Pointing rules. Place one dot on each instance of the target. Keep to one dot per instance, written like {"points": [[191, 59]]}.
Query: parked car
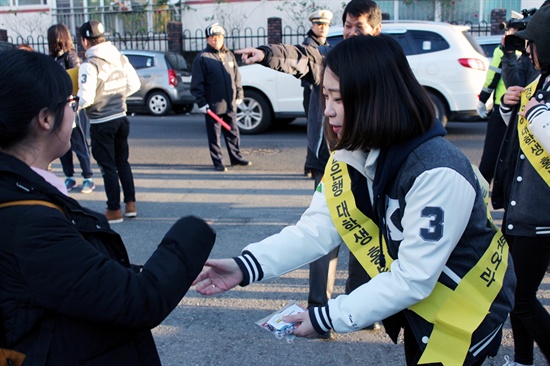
{"points": [[165, 82], [445, 59], [270, 97]]}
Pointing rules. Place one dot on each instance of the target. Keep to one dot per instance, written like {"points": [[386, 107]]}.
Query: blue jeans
{"points": [[110, 150], [79, 145]]}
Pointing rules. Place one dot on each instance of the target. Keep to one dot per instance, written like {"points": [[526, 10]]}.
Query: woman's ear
{"points": [[45, 119]]}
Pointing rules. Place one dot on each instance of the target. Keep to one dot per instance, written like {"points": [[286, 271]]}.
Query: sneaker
{"points": [[88, 186], [220, 168], [130, 210], [70, 183], [375, 326], [509, 362], [114, 216]]}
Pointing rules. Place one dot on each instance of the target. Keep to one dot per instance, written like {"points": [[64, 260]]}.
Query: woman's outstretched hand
{"points": [[304, 328], [218, 275]]}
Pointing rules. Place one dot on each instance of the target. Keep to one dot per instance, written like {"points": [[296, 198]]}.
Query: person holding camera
{"points": [[522, 188]]}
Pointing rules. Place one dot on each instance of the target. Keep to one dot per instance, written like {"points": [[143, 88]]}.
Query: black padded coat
{"points": [[70, 272]]}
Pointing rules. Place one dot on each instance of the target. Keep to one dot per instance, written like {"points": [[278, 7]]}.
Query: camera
{"points": [[519, 24], [513, 42]]}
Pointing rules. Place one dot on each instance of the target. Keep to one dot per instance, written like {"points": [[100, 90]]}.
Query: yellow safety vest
{"points": [[455, 314]]}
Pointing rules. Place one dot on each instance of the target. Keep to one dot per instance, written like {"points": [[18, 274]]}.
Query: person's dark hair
{"points": [[368, 8], [59, 40], [31, 82], [384, 105]]}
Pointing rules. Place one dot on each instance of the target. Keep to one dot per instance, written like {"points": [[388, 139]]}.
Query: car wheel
{"points": [[253, 114], [158, 103], [440, 110]]}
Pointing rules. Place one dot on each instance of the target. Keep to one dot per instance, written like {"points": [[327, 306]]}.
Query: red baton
{"points": [[219, 120]]}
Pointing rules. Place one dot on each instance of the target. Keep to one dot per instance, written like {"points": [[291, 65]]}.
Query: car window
{"points": [[405, 43], [334, 40], [489, 48], [176, 61], [474, 43], [141, 62], [426, 42]]}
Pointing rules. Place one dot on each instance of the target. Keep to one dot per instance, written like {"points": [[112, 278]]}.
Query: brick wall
{"points": [[274, 30]]}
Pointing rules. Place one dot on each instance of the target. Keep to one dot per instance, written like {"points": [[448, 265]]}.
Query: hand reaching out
{"points": [[250, 55], [218, 275]]}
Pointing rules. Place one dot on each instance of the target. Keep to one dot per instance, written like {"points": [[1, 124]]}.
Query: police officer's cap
{"points": [[321, 17], [214, 30]]}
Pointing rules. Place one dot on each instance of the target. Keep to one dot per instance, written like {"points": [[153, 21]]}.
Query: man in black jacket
{"points": [[216, 84]]}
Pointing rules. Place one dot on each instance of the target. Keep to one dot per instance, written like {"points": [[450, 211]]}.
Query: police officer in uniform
{"points": [[216, 85]]}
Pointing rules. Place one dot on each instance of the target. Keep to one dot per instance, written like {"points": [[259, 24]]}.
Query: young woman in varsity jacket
{"points": [[410, 208]]}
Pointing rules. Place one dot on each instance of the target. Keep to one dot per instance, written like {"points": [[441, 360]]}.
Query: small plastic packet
{"points": [[275, 324]]}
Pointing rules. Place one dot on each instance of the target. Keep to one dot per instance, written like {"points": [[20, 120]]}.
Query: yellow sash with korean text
{"points": [[533, 150], [455, 314]]}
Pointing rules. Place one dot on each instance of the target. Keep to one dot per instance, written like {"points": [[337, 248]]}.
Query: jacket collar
{"points": [[20, 182], [391, 160]]}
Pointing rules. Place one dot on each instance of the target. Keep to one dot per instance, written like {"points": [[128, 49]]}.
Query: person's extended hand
{"points": [[304, 328], [532, 102], [238, 101], [512, 95], [218, 275], [250, 55]]}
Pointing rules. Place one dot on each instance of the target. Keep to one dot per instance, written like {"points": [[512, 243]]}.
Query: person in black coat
{"points": [[68, 293], [216, 84]]}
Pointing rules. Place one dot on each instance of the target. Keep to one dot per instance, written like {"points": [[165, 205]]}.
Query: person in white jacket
{"points": [[105, 79], [410, 208]]}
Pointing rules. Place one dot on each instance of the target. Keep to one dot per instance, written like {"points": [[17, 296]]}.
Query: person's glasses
{"points": [[72, 100]]}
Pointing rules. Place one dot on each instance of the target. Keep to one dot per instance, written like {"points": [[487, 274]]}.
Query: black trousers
{"points": [[232, 138], [111, 152], [530, 320], [79, 145]]}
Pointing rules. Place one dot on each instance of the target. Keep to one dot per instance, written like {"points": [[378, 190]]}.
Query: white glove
{"points": [[238, 101], [481, 109], [204, 109]]}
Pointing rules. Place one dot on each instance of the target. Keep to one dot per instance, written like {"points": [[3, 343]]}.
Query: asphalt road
{"points": [[174, 177]]}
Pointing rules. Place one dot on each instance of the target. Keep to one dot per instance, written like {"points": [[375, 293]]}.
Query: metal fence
{"points": [[128, 41], [144, 26]]}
